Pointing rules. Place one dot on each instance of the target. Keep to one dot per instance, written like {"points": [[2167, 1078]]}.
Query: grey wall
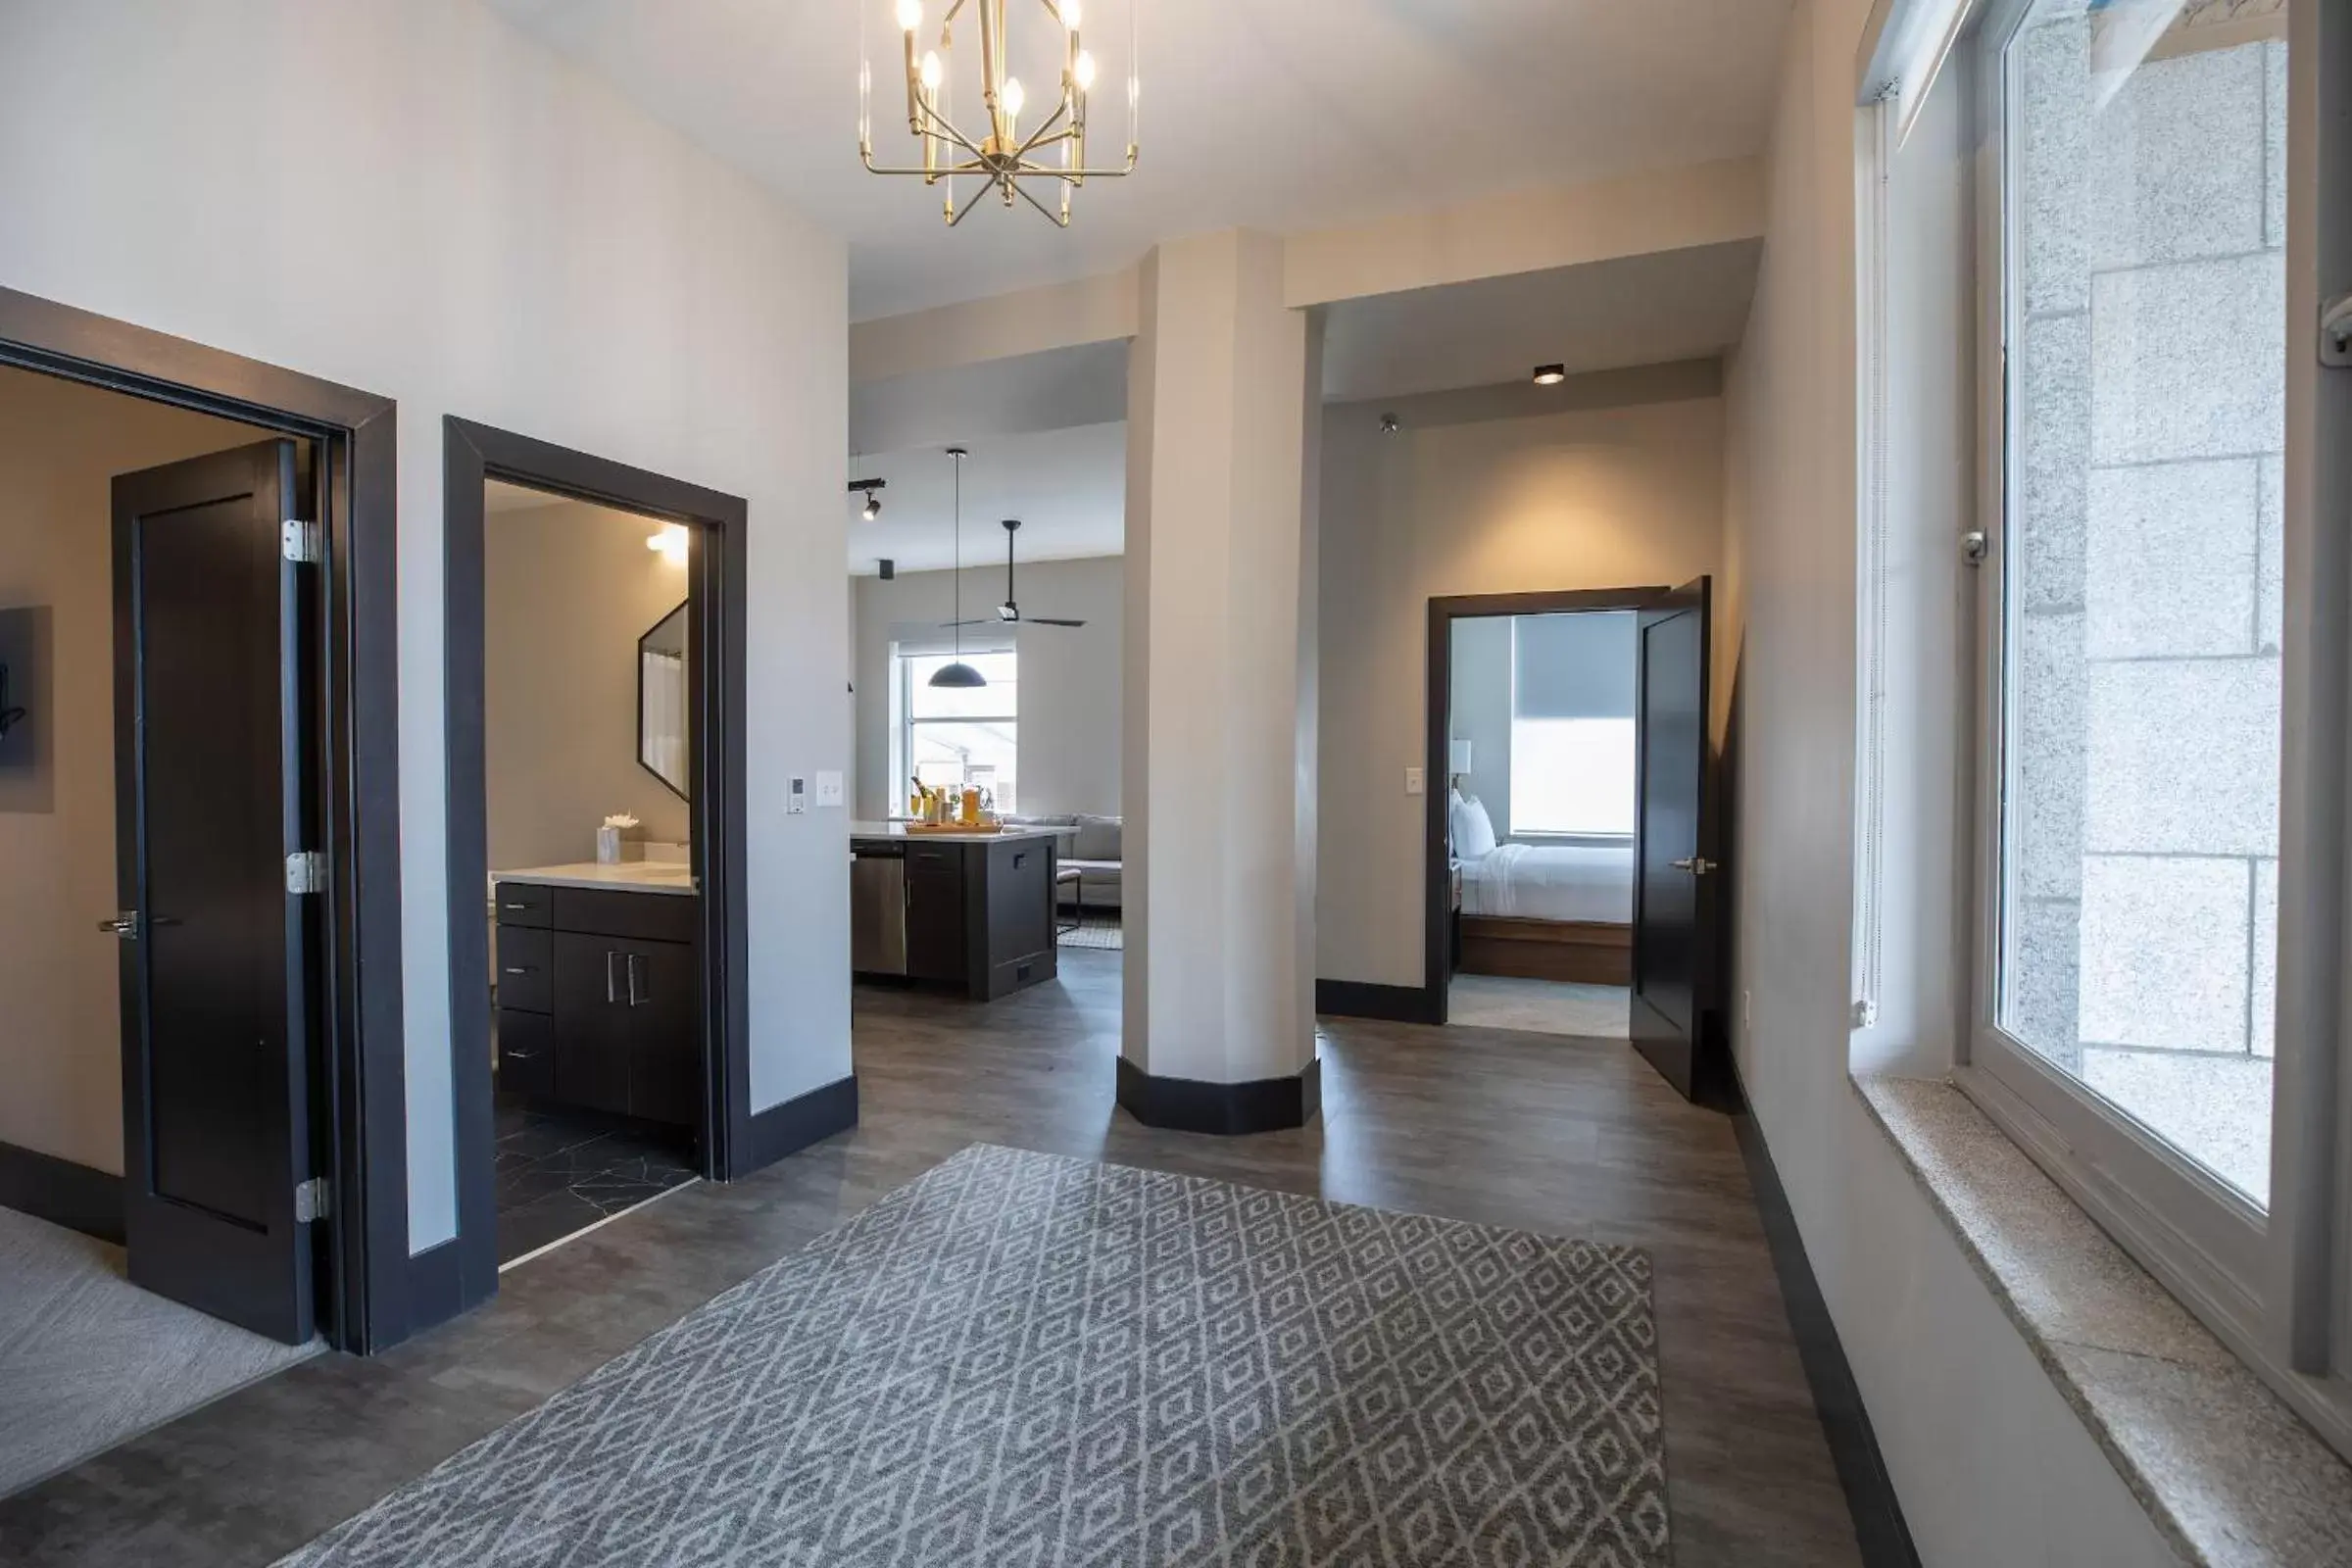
{"points": [[1481, 711], [1613, 480], [568, 590], [60, 1044], [1070, 699]]}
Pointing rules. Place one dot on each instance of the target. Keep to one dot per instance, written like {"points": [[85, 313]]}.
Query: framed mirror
{"points": [[661, 720]]}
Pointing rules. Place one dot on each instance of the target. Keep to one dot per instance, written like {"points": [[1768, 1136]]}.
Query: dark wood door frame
{"points": [[368, 1301], [1437, 967], [716, 591]]}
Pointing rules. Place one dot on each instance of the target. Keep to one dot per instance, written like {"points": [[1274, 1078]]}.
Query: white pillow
{"points": [[1473, 829]]}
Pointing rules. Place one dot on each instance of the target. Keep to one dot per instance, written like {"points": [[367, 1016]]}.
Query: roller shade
{"points": [[1578, 666]]}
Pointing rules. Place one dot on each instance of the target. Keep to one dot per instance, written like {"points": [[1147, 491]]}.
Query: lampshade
{"points": [[958, 674], [1460, 753]]}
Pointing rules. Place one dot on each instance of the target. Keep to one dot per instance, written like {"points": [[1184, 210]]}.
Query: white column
{"points": [[1219, 774]]}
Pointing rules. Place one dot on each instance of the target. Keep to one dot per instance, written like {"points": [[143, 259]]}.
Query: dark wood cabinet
{"points": [[979, 912], [935, 923], [599, 998]]}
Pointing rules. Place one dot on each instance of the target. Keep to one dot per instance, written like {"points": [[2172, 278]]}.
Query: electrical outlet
{"points": [[1412, 781], [796, 796], [828, 788]]}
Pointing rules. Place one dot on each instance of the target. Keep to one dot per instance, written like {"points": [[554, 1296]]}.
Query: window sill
{"points": [[2228, 1474]]}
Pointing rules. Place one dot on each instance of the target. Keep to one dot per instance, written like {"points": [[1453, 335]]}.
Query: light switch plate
{"points": [[796, 796], [828, 788], [1412, 781]]}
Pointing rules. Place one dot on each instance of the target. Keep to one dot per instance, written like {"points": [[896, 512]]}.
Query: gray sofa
{"points": [[1094, 848]]}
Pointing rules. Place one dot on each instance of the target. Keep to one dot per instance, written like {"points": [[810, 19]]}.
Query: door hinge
{"points": [[305, 872], [311, 1200], [298, 542], [1974, 547], [2335, 331]]}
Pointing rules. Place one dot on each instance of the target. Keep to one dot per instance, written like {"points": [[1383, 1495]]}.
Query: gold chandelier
{"points": [[1003, 155]]}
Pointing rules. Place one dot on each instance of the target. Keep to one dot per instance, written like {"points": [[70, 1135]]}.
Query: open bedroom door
{"points": [[1675, 949]]}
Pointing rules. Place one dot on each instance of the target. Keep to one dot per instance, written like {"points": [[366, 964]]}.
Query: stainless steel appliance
{"points": [[878, 909]]}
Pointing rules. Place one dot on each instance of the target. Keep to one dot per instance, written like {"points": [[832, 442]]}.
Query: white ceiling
{"points": [[1068, 487], [1274, 114], [1638, 310]]}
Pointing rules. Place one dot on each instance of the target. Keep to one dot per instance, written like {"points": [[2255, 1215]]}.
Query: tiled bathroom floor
{"points": [[563, 1171]]}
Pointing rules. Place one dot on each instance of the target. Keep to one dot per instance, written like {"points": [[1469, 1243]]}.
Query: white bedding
{"points": [[1552, 882]]}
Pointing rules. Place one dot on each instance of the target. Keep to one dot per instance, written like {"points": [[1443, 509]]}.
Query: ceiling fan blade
{"points": [[990, 621], [1049, 620]]}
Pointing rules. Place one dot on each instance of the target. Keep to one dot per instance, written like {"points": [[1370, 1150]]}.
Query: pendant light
{"points": [[958, 676]]}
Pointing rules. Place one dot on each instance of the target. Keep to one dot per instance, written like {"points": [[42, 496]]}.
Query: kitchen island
{"points": [[968, 911]]}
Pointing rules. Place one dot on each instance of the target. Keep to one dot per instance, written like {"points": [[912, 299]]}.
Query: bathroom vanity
{"points": [[971, 910], [600, 988]]}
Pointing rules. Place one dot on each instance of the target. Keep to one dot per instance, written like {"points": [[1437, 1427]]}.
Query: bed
{"points": [[1545, 911]]}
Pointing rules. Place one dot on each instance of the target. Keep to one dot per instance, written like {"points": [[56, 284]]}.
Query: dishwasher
{"points": [[878, 909]]}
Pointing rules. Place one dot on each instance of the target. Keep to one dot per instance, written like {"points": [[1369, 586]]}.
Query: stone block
{"points": [[2176, 161], [2184, 758], [2050, 127], [2270, 628], [2265, 1026], [2041, 990], [2215, 1109], [2169, 559], [2049, 729], [2189, 360], [2164, 952], [2054, 457]]}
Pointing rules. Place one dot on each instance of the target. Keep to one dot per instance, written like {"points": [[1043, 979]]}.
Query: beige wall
{"points": [[1618, 485], [568, 589], [61, 1054], [1069, 694]]}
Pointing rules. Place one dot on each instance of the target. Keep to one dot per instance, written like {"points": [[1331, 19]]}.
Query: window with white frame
{"points": [[954, 736], [2139, 790], [1571, 725]]}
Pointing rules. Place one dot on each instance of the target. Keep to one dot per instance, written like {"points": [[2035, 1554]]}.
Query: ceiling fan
{"points": [[1010, 611]]}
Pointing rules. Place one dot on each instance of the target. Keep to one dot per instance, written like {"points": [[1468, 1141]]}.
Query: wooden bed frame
{"points": [[1594, 952]]}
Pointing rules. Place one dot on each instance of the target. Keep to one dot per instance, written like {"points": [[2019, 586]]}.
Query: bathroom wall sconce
{"points": [[670, 543]]}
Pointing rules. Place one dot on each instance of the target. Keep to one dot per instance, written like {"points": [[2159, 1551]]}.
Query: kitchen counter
{"points": [[630, 876], [897, 830]]}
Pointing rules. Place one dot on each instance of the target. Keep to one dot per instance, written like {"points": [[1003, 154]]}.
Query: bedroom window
{"points": [[949, 737], [1572, 725]]}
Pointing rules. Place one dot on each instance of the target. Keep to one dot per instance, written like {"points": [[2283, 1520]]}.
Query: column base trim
{"points": [[60, 1192], [1191, 1105], [792, 1125]]}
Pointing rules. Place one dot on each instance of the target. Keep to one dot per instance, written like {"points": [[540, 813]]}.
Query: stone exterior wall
{"points": [[2144, 575]]}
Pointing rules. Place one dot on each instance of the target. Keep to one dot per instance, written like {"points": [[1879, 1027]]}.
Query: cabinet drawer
{"points": [[526, 1054], [523, 903], [644, 916], [522, 970]]}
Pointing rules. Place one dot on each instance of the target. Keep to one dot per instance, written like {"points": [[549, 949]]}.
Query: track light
{"points": [[1389, 424], [872, 490], [872, 508], [1550, 375]]}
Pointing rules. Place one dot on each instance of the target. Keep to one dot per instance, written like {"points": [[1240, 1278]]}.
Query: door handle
{"points": [[1696, 865], [124, 925], [634, 998], [518, 968], [611, 989]]}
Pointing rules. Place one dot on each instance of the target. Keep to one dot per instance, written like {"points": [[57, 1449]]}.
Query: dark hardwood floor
{"points": [[1477, 1124]]}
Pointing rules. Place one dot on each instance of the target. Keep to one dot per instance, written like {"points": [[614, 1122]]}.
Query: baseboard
{"points": [[1360, 999], [1870, 1497], [788, 1128], [62, 1193], [1189, 1106]]}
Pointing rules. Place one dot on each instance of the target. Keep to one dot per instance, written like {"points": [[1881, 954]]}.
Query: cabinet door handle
{"points": [[520, 1055], [612, 987], [634, 997], [513, 906], [518, 968]]}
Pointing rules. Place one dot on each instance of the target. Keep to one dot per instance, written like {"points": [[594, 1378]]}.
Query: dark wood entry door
{"points": [[213, 792], [1674, 881]]}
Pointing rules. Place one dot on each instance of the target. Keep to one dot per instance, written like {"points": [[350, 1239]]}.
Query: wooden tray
{"points": [[953, 827]]}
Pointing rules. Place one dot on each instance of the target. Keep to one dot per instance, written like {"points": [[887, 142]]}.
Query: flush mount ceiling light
{"points": [[1550, 375], [994, 146], [958, 673], [873, 500]]}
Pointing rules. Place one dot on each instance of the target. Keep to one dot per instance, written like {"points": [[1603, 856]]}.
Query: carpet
{"points": [[1097, 928], [1024, 1358], [88, 1360], [1538, 1006]]}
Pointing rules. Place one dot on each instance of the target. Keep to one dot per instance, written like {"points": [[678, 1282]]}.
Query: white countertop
{"points": [[630, 876], [897, 830]]}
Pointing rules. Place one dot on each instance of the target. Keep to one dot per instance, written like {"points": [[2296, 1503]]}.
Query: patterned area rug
{"points": [[1097, 928], [1022, 1359]]}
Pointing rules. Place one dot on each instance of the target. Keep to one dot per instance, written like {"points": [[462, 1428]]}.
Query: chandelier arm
{"points": [[947, 129], [1074, 175], [969, 203], [1023, 191], [1038, 137], [971, 167]]}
